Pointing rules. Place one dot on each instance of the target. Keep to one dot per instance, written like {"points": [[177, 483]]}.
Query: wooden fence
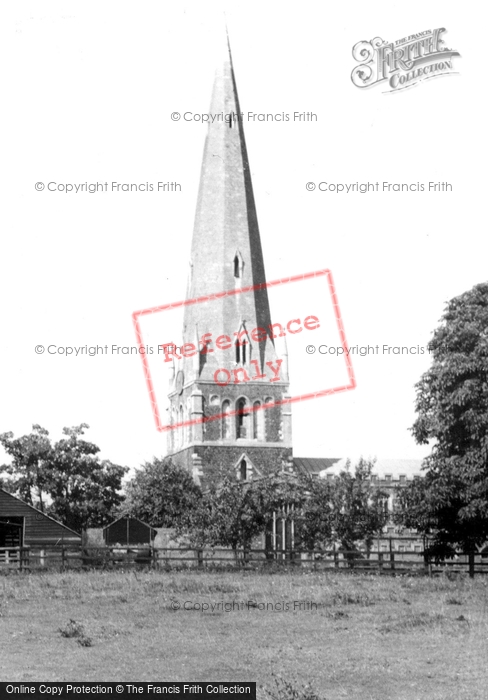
{"points": [[119, 557]]}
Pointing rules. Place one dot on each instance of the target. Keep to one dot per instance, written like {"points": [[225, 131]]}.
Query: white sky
{"points": [[88, 92]]}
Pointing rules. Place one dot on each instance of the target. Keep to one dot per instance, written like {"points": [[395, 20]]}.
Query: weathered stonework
{"points": [[227, 366]]}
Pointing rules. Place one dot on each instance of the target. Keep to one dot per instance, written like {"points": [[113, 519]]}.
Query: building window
{"points": [[237, 267], [241, 419], [241, 345], [243, 470], [255, 420], [226, 420], [187, 421], [180, 426], [214, 400]]}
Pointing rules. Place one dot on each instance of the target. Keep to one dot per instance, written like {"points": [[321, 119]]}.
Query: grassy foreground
{"points": [[349, 636]]}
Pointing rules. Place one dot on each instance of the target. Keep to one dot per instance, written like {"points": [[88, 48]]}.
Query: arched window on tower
{"points": [[268, 416], [180, 427], [242, 417], [238, 268], [188, 422], [241, 353], [243, 470], [242, 346], [226, 424], [257, 422]]}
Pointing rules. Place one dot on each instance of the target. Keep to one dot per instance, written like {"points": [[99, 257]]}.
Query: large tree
{"points": [[357, 506], [451, 502], [28, 473], [162, 494], [85, 490], [67, 479]]}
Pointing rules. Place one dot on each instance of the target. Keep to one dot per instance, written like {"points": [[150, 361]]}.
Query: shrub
{"points": [[285, 690]]}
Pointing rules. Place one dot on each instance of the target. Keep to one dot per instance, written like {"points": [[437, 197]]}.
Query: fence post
{"points": [[380, 562], [311, 556], [471, 563], [392, 556], [25, 558], [63, 558], [336, 558]]}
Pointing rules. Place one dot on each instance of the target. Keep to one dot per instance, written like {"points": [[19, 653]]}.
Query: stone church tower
{"points": [[228, 378]]}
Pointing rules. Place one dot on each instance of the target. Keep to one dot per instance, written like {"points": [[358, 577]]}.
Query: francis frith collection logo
{"points": [[402, 63]]}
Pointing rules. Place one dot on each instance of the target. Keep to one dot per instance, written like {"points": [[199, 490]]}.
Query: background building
{"points": [[128, 530], [22, 525]]}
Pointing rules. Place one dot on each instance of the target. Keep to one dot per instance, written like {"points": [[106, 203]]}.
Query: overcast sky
{"points": [[88, 95]]}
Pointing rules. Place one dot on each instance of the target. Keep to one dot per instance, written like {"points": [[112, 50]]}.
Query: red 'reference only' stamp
{"points": [[244, 367]]}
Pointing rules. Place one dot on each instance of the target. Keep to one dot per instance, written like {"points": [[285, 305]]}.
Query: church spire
{"points": [[227, 396], [226, 248]]}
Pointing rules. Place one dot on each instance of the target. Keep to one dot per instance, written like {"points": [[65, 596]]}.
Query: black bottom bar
{"points": [[217, 690]]}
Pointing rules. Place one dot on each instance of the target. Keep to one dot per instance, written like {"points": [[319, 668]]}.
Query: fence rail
{"points": [[381, 562]]}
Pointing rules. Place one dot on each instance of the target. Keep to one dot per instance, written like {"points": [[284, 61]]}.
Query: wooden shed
{"points": [[128, 530], [22, 525]]}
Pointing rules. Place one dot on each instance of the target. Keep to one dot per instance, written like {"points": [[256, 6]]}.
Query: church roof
{"points": [[314, 465]]}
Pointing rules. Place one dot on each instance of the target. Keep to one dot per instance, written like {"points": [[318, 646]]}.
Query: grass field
{"points": [[349, 636]]}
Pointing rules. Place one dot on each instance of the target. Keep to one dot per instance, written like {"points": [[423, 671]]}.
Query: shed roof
{"points": [[129, 517], [23, 505]]}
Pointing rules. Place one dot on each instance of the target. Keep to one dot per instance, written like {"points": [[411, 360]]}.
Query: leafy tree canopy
{"points": [[66, 480], [162, 494], [451, 502], [348, 509]]}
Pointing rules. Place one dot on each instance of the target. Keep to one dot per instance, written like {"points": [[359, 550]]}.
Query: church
{"points": [[228, 399], [228, 389]]}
